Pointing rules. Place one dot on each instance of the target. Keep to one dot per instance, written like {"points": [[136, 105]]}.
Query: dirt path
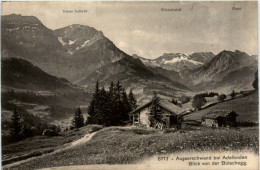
{"points": [[78, 142]]}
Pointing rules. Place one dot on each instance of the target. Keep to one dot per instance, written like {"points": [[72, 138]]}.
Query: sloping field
{"points": [[42, 144], [246, 108], [127, 145]]}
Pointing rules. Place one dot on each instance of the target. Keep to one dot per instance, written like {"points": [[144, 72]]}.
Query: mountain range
{"points": [[178, 61], [230, 70], [83, 55]]}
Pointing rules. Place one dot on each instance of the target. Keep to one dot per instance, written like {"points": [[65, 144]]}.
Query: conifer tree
{"points": [[155, 110], [16, 126], [78, 119], [91, 113], [111, 116], [118, 105], [102, 107], [118, 92], [111, 90], [126, 108], [27, 132], [233, 94], [132, 101], [93, 107]]}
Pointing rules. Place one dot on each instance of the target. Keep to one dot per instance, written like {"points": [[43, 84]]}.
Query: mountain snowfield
{"points": [[183, 57], [76, 37], [178, 61]]}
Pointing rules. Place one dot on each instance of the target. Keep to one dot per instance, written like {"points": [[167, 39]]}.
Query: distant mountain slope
{"points": [[171, 74], [201, 56], [178, 61], [19, 73], [133, 74], [227, 69]]}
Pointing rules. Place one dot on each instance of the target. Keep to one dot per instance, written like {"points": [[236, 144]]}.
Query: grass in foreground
{"points": [[123, 146], [42, 144]]}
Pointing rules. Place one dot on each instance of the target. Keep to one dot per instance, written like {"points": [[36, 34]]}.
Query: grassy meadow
{"points": [[125, 145], [39, 145], [246, 108]]}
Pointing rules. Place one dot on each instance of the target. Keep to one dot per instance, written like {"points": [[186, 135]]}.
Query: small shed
{"points": [[219, 118], [170, 113]]}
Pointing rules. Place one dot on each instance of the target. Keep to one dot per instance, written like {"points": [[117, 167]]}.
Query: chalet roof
{"points": [[214, 114], [172, 108]]}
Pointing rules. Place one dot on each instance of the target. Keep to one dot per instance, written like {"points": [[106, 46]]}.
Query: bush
{"points": [[222, 97], [210, 94], [50, 132], [233, 94], [174, 101], [184, 99], [198, 101]]}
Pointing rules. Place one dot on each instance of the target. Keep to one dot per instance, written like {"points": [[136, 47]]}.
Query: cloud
{"points": [[122, 44]]}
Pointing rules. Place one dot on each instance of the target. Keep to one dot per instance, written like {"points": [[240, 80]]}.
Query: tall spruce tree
{"points": [[132, 101], [111, 116], [78, 119], [91, 113], [102, 107], [233, 94], [111, 90], [118, 104], [126, 108], [155, 112], [16, 126], [93, 107]]}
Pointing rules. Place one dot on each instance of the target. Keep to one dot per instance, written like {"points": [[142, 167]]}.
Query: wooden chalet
{"points": [[219, 118], [170, 113]]}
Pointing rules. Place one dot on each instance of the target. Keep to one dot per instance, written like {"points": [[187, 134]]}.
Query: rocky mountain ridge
{"points": [[178, 61], [83, 55]]}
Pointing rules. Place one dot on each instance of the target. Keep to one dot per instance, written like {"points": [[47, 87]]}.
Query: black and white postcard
{"points": [[129, 85]]}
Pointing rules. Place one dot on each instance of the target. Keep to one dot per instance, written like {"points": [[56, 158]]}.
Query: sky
{"points": [[146, 29]]}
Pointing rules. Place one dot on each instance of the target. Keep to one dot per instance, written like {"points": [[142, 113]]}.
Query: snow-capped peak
{"points": [[61, 41], [182, 58]]}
